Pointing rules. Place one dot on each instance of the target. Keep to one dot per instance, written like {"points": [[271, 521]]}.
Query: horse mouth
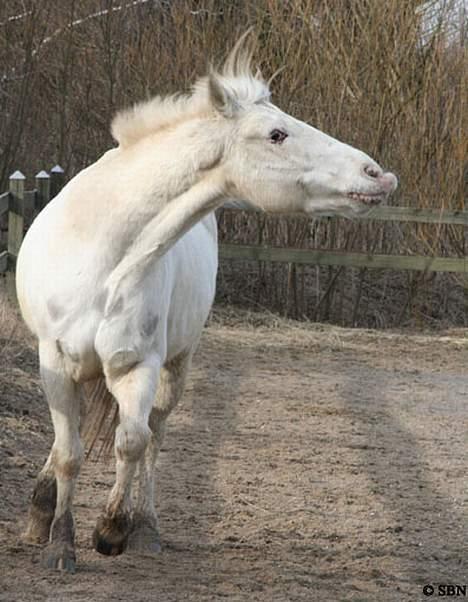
{"points": [[371, 199]]}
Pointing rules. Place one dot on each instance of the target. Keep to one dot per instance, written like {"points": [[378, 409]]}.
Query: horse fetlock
{"points": [[63, 529], [111, 533], [131, 440]]}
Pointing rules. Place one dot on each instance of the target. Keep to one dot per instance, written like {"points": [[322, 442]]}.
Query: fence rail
{"points": [[22, 205], [413, 214], [325, 257], [390, 214], [345, 259]]}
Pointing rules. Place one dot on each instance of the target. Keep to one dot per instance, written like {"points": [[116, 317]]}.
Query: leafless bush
{"points": [[387, 77]]}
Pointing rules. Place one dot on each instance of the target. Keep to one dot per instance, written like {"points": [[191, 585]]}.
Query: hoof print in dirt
{"points": [[110, 536], [59, 557]]}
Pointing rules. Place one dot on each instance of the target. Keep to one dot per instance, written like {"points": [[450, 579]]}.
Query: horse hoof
{"points": [[41, 511], [110, 536], [107, 548], [59, 557]]}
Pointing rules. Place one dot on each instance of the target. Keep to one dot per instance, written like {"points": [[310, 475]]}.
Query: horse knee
{"points": [[67, 461], [131, 439]]}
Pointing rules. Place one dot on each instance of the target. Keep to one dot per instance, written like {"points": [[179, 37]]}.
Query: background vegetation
{"points": [[388, 77]]}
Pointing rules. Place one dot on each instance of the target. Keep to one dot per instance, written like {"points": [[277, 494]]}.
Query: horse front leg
{"points": [[51, 509], [134, 387], [145, 534]]}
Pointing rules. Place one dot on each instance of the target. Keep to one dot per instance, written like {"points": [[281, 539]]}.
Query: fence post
{"points": [[43, 190], [15, 228], [57, 177]]}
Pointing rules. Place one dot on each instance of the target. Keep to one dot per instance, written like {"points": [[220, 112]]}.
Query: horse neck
{"points": [[171, 162]]}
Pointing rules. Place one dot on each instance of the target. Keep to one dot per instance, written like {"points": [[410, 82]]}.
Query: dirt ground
{"points": [[306, 462]]}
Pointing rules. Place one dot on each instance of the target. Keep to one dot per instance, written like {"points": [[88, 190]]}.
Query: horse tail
{"points": [[99, 419]]}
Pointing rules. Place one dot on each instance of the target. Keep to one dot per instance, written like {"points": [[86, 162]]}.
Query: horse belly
{"points": [[195, 263]]}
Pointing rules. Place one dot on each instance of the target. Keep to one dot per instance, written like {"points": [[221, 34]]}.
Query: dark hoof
{"points": [[110, 536], [59, 557]]}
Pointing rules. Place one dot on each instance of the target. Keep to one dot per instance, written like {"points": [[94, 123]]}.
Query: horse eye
{"points": [[278, 136]]}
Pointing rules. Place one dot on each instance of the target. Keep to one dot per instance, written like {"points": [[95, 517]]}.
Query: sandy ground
{"points": [[304, 463]]}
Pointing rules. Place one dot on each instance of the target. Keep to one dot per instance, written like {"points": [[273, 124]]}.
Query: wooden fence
{"points": [[425, 263], [18, 207], [22, 205]]}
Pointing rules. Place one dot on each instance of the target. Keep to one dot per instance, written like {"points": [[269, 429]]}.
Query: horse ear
{"points": [[222, 98]]}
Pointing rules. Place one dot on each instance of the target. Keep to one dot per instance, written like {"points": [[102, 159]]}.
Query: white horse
{"points": [[116, 276]]}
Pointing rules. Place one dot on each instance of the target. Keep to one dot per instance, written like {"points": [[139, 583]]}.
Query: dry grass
{"points": [[250, 325]]}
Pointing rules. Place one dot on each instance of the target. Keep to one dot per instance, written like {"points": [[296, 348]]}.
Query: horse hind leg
{"points": [[134, 387], [51, 508], [145, 534]]}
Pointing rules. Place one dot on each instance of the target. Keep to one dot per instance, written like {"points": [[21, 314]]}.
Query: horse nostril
{"points": [[371, 171]]}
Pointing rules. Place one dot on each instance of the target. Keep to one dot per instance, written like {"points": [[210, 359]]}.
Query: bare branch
{"points": [[16, 18], [6, 77]]}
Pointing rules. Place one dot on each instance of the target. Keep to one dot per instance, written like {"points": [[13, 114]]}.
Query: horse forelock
{"points": [[237, 73]]}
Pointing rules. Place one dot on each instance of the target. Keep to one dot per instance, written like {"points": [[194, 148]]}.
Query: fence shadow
{"points": [[430, 536]]}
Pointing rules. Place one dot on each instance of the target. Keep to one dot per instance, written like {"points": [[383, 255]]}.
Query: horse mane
{"points": [[148, 117]]}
